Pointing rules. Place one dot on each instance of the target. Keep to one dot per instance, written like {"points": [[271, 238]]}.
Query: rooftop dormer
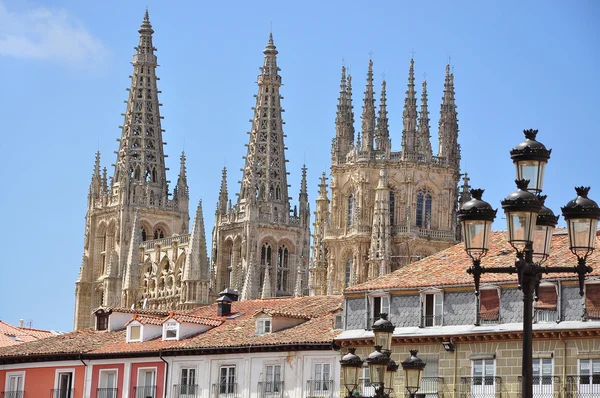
{"points": [[142, 328], [179, 326], [270, 321]]}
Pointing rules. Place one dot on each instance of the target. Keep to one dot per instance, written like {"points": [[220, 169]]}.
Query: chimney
{"points": [[21, 323], [224, 305], [232, 294]]}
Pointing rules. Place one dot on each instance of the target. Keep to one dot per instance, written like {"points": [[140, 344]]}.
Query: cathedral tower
{"points": [[136, 231], [388, 208], [260, 243]]}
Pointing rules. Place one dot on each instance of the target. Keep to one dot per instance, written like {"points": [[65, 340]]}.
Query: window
{"points": [[489, 306], [135, 333], [483, 381], [64, 384], [542, 376], [187, 380], [227, 380], [263, 326], [101, 320], [431, 309], [107, 387], [429, 379], [592, 300], [282, 269], [171, 330], [545, 306], [15, 383], [392, 208], [589, 372], [348, 270], [351, 210], [272, 378], [322, 377], [146, 384], [364, 383], [338, 322], [379, 305], [423, 216]]}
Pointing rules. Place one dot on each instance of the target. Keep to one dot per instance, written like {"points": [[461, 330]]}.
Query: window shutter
{"points": [[592, 296], [548, 298], [489, 304]]}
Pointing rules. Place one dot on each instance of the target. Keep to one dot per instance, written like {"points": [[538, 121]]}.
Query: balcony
{"points": [[186, 391], [144, 391], [431, 387], [61, 393], [365, 388], [543, 387], [481, 387], [270, 389], [582, 386], [12, 394], [107, 392], [430, 320], [225, 390], [489, 317], [319, 388], [592, 313]]}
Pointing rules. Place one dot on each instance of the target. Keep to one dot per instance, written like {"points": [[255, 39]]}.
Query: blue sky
{"points": [[64, 67]]}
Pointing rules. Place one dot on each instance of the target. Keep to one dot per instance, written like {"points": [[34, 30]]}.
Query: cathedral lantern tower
{"points": [[388, 208], [136, 231], [262, 240]]}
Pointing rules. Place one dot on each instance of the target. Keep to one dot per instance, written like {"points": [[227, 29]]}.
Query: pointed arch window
{"points": [[392, 208], [265, 262], [348, 273], [159, 233], [423, 216], [351, 210], [144, 235], [282, 269]]}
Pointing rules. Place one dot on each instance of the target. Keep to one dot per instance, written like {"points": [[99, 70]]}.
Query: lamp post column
{"points": [[529, 280]]}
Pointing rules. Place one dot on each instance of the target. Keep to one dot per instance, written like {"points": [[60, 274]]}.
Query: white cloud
{"points": [[48, 34]]}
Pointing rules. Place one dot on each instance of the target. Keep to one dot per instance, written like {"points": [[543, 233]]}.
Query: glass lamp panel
{"points": [[412, 379], [542, 240], [377, 372], [532, 170], [350, 376], [582, 234], [383, 339], [521, 225], [389, 379], [477, 234]]}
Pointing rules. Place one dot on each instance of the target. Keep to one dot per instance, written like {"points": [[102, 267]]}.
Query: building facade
{"points": [[387, 208], [472, 345], [260, 245]]}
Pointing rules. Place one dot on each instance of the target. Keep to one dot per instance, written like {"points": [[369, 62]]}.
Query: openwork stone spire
{"points": [[409, 117], [381, 232], [140, 159], [196, 263], [448, 125], [382, 134], [318, 266], [368, 114], [344, 121], [181, 192], [266, 288], [131, 280], [423, 135], [265, 159], [250, 288], [223, 194]]}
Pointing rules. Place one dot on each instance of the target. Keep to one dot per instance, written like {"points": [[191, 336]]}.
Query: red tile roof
{"points": [[13, 335], [287, 314], [235, 330], [146, 320], [185, 318], [448, 267]]}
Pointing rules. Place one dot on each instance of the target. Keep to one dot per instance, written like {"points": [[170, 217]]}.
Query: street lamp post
{"points": [[413, 369], [530, 225]]}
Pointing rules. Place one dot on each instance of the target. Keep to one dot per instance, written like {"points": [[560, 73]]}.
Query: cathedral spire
{"points": [[265, 159], [181, 192], [266, 288], [249, 288], [223, 195], [96, 183], [448, 125], [317, 283], [368, 114], [382, 134], [423, 135], [381, 232], [140, 159], [409, 116], [196, 266], [344, 131]]}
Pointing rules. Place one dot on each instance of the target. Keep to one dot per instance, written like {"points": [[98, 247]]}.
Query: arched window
{"points": [[282, 269], [144, 234], [423, 218], [265, 261], [351, 210], [392, 208], [159, 233], [348, 271]]}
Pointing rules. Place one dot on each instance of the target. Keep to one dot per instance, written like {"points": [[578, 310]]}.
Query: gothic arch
{"points": [[146, 230], [164, 267], [160, 231]]}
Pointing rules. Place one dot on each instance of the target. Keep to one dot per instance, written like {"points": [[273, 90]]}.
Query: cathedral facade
{"points": [[387, 208]]}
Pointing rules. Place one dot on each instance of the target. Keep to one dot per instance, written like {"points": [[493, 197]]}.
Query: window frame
{"points": [[102, 377], [484, 363], [141, 336], [60, 371], [194, 385], [261, 328], [593, 379], [9, 375], [423, 307], [499, 293], [229, 386], [321, 384], [166, 331], [275, 388], [377, 299]]}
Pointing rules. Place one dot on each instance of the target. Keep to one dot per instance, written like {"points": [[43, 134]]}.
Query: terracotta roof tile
{"points": [[146, 320], [185, 318], [448, 267], [14, 335], [287, 314], [234, 330]]}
